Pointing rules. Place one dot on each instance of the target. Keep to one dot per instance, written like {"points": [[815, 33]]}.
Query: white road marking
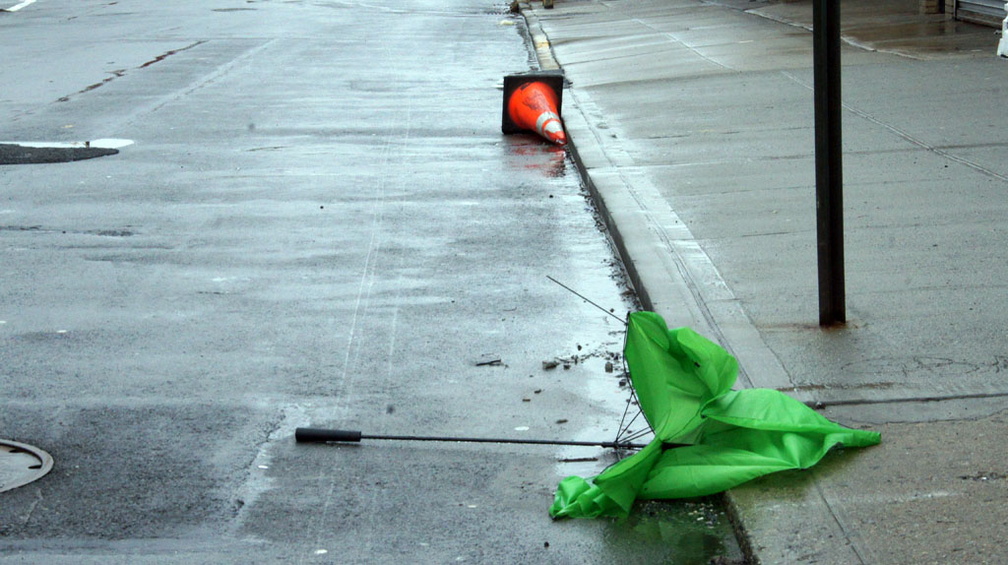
{"points": [[19, 6]]}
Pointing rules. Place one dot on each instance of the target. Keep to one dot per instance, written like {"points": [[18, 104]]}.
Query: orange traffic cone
{"points": [[532, 102]]}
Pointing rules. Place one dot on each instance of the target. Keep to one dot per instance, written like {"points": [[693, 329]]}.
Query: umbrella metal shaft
{"points": [[320, 435]]}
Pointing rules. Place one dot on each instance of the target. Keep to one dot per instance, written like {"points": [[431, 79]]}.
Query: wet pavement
{"points": [[694, 123], [890, 26], [319, 224]]}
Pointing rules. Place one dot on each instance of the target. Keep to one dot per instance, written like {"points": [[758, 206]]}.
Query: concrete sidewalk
{"points": [[693, 122]]}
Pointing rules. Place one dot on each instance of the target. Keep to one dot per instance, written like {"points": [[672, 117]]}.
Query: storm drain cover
{"points": [[21, 464]]}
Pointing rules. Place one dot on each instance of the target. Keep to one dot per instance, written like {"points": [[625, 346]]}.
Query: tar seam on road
{"points": [[909, 137], [209, 78], [122, 72]]}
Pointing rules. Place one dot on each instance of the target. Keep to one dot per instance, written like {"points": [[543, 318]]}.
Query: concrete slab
{"points": [[925, 495], [707, 177], [894, 26]]}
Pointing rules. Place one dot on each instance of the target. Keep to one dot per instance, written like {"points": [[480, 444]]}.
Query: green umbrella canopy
{"points": [[683, 384]]}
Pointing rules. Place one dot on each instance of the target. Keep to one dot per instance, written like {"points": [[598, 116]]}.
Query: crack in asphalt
{"points": [[122, 72]]}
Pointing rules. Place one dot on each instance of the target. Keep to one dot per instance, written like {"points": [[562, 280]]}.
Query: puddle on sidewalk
{"points": [[696, 531]]}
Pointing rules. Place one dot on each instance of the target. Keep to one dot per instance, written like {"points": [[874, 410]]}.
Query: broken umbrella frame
{"points": [[682, 383], [625, 438], [320, 435]]}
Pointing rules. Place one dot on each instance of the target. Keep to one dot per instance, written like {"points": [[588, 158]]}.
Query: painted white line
{"points": [[99, 143], [19, 6], [111, 143]]}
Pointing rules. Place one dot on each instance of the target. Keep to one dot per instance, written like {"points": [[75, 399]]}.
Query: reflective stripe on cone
{"points": [[534, 106]]}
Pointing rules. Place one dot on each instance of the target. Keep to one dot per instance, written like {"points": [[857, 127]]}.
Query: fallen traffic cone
{"points": [[532, 103]]}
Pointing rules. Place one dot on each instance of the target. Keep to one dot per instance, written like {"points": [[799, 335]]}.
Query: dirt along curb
{"points": [[665, 282]]}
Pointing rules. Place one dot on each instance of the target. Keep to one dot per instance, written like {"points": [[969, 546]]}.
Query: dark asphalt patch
{"points": [[12, 154], [128, 471]]}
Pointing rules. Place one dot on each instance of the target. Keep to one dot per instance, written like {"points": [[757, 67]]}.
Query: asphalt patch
{"points": [[12, 154], [128, 471]]}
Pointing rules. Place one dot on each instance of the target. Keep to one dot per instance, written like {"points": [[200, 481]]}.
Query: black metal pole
{"points": [[829, 162], [318, 435]]}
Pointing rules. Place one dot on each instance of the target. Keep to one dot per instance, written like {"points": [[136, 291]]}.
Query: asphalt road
{"points": [[318, 223]]}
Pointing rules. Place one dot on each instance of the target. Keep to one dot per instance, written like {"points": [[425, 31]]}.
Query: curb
{"points": [[666, 265], [540, 43], [671, 274]]}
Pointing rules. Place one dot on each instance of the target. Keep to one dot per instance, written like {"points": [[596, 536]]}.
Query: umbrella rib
{"points": [[635, 436], [586, 299], [633, 394], [626, 410], [626, 429]]}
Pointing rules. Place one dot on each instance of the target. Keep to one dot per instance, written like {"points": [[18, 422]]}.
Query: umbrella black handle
{"points": [[319, 435]]}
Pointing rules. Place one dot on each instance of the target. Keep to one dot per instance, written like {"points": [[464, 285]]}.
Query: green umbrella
{"points": [[683, 384]]}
